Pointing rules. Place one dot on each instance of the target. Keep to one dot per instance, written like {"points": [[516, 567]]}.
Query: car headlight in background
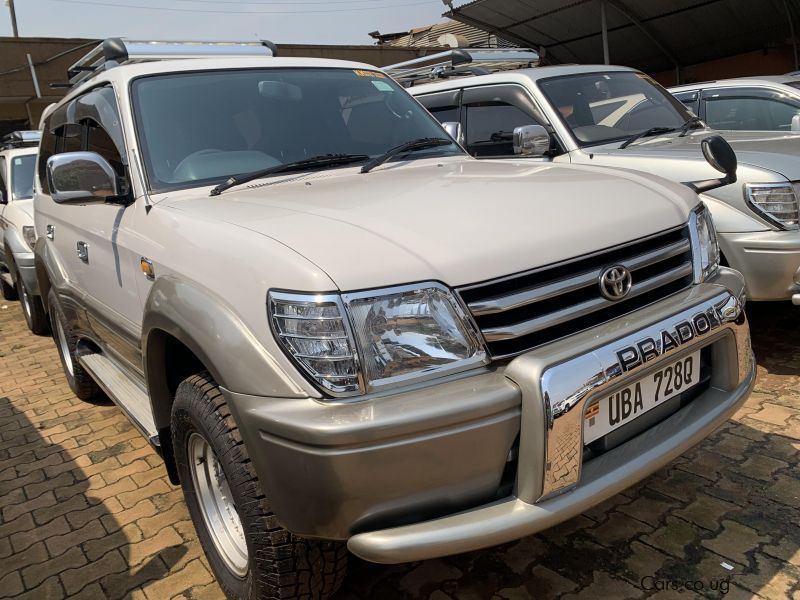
{"points": [[402, 334], [29, 235], [776, 202], [707, 262]]}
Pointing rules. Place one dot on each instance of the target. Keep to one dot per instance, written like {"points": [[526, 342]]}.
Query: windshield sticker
{"points": [[382, 86], [17, 162], [364, 73]]}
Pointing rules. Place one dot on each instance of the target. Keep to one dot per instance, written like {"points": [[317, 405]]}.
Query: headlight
{"points": [[776, 202], [29, 235], [706, 243], [402, 334]]}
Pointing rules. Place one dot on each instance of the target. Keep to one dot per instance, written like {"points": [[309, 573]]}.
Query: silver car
{"points": [[767, 103], [620, 117]]}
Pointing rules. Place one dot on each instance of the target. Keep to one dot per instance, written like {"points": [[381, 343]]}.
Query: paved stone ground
{"points": [[86, 509]]}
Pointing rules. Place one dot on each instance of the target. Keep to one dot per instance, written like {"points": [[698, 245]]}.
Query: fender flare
{"points": [[209, 328]]}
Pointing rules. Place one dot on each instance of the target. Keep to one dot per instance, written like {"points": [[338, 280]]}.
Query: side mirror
{"points": [[721, 156], [81, 177], [531, 140], [453, 129], [796, 122]]}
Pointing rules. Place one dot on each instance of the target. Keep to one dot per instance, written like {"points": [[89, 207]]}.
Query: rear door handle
{"points": [[51, 232], [83, 251]]}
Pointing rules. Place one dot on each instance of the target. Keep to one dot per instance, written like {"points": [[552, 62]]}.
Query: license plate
{"points": [[623, 406]]}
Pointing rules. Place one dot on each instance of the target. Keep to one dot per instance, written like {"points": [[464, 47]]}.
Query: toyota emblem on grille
{"points": [[615, 283]]}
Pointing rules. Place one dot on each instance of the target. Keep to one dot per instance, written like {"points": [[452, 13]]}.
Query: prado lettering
{"points": [[649, 348]]}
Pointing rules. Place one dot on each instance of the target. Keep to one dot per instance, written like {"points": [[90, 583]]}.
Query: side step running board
{"points": [[130, 398]]}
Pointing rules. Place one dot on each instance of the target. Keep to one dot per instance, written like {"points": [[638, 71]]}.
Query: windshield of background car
{"points": [[203, 127], [606, 107], [22, 168]]}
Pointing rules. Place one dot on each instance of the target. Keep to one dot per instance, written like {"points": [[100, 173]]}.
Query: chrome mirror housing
{"points": [[81, 177], [453, 129], [531, 140]]}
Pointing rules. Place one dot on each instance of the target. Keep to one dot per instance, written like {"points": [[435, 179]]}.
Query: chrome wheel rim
{"points": [[216, 504], [63, 346]]}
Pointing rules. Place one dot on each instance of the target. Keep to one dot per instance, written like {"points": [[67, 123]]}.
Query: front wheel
{"points": [[251, 554], [32, 309]]}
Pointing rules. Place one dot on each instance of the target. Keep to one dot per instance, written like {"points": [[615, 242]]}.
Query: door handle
{"points": [[83, 251], [51, 232]]}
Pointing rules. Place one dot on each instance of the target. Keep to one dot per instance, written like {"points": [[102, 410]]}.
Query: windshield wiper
{"points": [[322, 160], [646, 133], [418, 144], [690, 123]]}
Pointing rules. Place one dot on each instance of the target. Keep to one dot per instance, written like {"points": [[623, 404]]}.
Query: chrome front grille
{"points": [[524, 311]]}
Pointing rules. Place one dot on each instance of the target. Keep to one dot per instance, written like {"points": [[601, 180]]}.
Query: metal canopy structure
{"points": [[651, 35]]}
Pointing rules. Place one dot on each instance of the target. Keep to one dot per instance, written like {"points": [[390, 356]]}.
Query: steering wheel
{"points": [[193, 155]]}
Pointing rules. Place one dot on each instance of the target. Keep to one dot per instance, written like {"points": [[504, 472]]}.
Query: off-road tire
{"points": [[9, 292], [32, 309], [79, 380], [280, 564]]}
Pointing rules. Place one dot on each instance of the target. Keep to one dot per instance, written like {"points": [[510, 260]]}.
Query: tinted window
{"points": [[100, 142], [73, 138], [604, 107], [689, 99], [490, 127], [22, 168], [47, 148], [201, 128], [3, 178], [751, 113]]}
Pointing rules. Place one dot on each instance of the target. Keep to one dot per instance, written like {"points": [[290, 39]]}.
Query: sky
{"points": [[281, 21]]}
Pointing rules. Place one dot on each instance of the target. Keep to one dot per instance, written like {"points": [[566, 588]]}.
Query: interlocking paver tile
{"points": [[87, 509]]}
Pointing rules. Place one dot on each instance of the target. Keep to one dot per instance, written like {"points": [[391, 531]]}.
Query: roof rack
{"points": [[462, 61], [20, 139], [118, 51]]}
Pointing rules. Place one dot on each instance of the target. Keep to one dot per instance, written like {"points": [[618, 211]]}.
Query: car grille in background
{"points": [[520, 312]]}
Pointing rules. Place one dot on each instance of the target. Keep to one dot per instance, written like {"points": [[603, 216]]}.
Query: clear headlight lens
{"points": [[313, 330], [29, 235], [410, 332], [707, 244], [402, 334], [777, 202]]}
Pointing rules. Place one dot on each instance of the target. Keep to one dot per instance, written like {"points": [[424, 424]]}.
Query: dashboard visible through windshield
{"points": [[199, 128], [605, 107]]}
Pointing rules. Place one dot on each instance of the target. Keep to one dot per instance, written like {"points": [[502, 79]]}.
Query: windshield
{"points": [[22, 176], [201, 128], [612, 106]]}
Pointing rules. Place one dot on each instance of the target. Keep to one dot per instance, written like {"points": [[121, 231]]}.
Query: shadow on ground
{"points": [[57, 535]]}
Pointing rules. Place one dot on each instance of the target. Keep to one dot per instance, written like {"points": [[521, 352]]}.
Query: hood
{"points": [[455, 220], [777, 152]]}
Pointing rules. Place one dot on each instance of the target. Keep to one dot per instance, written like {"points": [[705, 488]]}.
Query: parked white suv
{"points": [[17, 236], [620, 117], [342, 332]]}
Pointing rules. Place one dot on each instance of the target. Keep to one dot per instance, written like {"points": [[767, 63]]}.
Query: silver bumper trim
{"points": [[513, 518]]}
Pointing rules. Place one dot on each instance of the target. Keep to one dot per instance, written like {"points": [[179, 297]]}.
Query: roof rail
{"points": [[118, 51], [20, 139], [462, 61]]}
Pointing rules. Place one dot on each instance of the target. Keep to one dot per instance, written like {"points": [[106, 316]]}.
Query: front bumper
{"points": [[420, 474], [27, 271], [769, 261]]}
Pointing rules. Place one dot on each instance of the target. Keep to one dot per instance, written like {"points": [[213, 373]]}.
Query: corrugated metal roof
{"points": [[430, 35], [651, 35]]}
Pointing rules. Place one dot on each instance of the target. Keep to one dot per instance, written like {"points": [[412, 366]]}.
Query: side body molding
{"points": [[207, 326]]}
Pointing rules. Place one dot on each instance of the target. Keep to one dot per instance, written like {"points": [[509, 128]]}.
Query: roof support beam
{"points": [[604, 31], [623, 9]]}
